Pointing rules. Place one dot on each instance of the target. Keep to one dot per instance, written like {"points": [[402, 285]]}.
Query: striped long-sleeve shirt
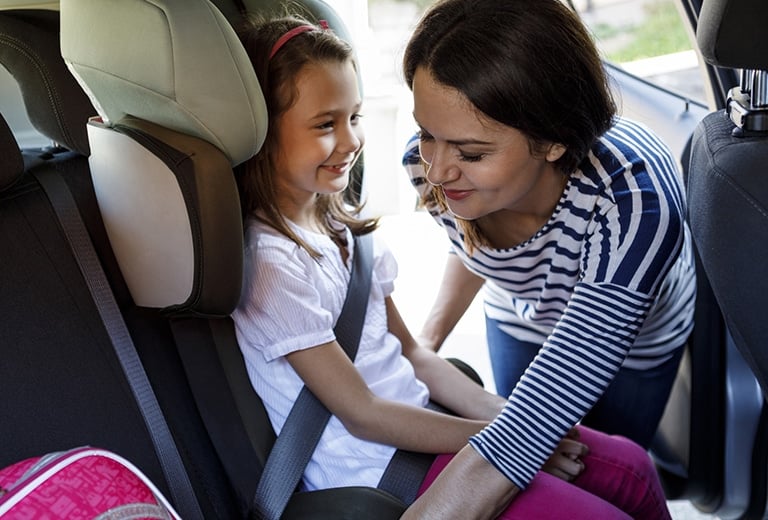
{"points": [[607, 282]]}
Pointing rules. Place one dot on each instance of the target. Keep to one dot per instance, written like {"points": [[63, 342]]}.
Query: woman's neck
{"points": [[508, 228]]}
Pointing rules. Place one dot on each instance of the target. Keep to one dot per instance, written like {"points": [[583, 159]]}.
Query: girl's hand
{"points": [[565, 463]]}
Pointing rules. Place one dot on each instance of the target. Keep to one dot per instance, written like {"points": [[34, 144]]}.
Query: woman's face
{"points": [[482, 166]]}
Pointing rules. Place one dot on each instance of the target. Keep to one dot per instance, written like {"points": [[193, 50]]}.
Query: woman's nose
{"points": [[438, 163]]}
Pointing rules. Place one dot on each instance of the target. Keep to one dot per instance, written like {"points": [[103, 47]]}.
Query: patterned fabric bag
{"points": [[80, 484]]}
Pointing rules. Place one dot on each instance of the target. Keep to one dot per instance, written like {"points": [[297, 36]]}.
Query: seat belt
{"points": [[79, 241], [196, 344], [406, 469], [308, 416]]}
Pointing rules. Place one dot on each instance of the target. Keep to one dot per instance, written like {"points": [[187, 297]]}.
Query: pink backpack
{"points": [[80, 484]]}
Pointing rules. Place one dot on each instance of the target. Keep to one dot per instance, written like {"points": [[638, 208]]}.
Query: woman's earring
{"points": [[427, 169]]}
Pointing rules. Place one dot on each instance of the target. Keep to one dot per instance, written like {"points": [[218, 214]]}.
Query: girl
{"points": [[298, 251]]}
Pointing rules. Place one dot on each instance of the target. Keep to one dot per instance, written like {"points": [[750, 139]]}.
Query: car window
{"points": [[649, 51], [647, 38]]}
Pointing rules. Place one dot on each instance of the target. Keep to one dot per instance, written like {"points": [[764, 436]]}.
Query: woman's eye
{"points": [[424, 136], [470, 158]]}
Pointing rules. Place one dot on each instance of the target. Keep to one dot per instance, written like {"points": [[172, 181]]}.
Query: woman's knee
{"points": [[550, 498], [618, 449], [622, 473]]}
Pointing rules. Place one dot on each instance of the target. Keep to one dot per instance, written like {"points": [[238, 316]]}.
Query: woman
{"points": [[570, 218]]}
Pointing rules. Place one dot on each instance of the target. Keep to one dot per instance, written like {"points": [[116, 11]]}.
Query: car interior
{"points": [[727, 195], [718, 461], [158, 264], [121, 253]]}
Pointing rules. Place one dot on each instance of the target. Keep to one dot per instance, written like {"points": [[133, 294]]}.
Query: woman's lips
{"points": [[457, 194]]}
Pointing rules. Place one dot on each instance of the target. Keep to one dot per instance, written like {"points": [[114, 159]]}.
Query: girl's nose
{"points": [[351, 140]]}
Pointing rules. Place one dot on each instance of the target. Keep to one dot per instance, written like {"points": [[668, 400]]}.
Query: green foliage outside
{"points": [[659, 32]]}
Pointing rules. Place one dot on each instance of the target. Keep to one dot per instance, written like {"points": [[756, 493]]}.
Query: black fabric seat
{"points": [[727, 191], [63, 384], [728, 186]]}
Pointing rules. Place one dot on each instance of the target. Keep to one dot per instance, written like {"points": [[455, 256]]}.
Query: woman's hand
{"points": [[468, 487], [565, 462]]}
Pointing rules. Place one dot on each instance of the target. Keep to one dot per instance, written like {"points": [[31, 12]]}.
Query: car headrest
{"points": [[170, 206], [179, 104], [731, 33], [11, 162], [55, 104], [175, 63]]}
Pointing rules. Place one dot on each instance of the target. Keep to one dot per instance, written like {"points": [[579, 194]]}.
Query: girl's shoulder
{"points": [[262, 234]]}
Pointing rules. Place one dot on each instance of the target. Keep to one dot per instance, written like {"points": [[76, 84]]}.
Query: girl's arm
{"points": [[328, 372], [457, 290], [447, 385]]}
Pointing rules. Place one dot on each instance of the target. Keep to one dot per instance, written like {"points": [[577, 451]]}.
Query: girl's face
{"points": [[320, 136], [482, 166]]}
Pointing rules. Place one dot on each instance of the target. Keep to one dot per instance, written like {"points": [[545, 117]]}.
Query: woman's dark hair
{"points": [[529, 64], [277, 78]]}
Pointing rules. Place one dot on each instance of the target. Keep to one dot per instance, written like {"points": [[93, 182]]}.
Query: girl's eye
{"points": [[326, 125], [356, 118]]}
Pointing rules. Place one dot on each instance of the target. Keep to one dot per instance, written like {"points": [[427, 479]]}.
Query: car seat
{"points": [[177, 111], [62, 381], [728, 213]]}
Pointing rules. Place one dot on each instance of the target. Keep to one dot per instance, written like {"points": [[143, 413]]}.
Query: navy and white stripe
{"points": [[607, 282]]}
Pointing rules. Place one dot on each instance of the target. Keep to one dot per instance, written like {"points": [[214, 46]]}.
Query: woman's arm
{"points": [[330, 375], [447, 385], [456, 493], [457, 290]]}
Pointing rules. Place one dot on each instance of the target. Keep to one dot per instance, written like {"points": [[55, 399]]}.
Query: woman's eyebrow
{"points": [[457, 142], [460, 142]]}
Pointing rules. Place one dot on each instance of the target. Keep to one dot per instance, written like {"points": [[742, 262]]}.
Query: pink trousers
{"points": [[619, 482]]}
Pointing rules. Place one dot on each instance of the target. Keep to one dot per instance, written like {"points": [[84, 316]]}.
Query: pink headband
{"points": [[293, 32]]}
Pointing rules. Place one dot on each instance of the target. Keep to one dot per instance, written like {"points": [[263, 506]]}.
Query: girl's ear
{"points": [[555, 151]]}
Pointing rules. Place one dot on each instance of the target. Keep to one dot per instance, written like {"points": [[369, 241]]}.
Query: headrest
{"points": [[175, 63], [731, 33], [170, 207], [56, 105], [11, 162]]}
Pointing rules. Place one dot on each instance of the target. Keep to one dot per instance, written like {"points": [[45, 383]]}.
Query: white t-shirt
{"points": [[291, 302]]}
